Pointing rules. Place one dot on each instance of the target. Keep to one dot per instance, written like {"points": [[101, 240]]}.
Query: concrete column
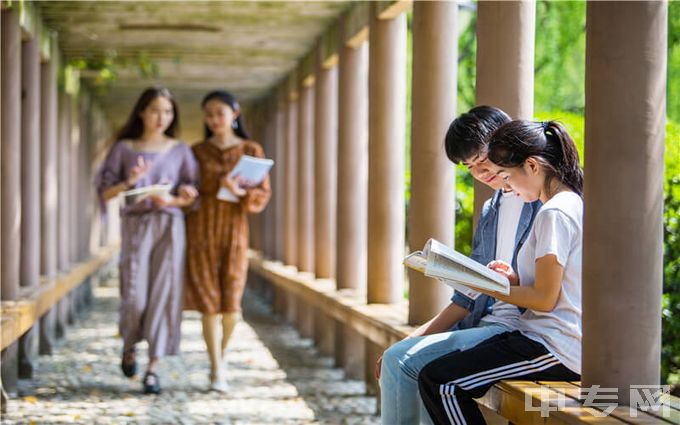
{"points": [[74, 226], [269, 213], [623, 218], [48, 230], [350, 351], [254, 117], [30, 164], [63, 167], [305, 190], [304, 319], [64, 203], [325, 170], [305, 179], [432, 208], [291, 308], [325, 190], [279, 176], [290, 201], [386, 110], [324, 333], [11, 154], [505, 40], [11, 179], [279, 302], [263, 217], [30, 194], [49, 176], [373, 351], [84, 186], [352, 215]]}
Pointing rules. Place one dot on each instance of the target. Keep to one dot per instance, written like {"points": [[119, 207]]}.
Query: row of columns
{"points": [[369, 187], [46, 207]]}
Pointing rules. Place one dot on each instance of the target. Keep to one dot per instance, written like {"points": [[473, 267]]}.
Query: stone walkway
{"points": [[275, 378]]}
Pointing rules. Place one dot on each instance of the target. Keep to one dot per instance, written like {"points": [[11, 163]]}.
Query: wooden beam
{"points": [[28, 21], [392, 9], [327, 49], [382, 324], [354, 24], [18, 316], [306, 68]]}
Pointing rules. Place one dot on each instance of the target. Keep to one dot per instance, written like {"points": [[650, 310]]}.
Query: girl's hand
{"points": [[138, 171], [234, 186], [164, 201], [187, 193], [505, 269]]}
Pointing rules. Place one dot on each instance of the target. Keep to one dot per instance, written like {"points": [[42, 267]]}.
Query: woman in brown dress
{"points": [[217, 230]]}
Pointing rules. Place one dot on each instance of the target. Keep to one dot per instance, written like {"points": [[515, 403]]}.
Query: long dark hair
{"points": [[547, 141], [469, 134], [229, 99], [134, 127]]}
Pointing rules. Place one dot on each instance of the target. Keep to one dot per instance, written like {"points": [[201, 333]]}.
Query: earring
{"points": [[234, 124]]}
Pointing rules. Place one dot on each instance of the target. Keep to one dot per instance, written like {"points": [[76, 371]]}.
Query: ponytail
{"points": [[547, 141], [568, 169]]}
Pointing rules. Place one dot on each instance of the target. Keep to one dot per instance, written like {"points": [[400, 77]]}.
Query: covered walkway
{"points": [[275, 378], [324, 90]]}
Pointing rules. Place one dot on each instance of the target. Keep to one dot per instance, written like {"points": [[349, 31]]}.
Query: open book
{"points": [[453, 268], [136, 195], [250, 168]]}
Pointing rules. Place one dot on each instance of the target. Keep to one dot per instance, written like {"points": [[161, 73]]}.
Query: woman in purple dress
{"points": [[153, 240]]}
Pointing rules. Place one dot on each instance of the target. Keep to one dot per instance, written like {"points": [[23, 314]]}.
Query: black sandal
{"points": [[129, 369], [151, 383]]}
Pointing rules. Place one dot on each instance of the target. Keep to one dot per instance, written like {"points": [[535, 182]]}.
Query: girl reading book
{"points": [[538, 161], [147, 156], [217, 230]]}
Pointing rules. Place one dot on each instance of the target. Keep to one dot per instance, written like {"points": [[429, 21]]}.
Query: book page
{"points": [[450, 265], [250, 168], [416, 261], [138, 194]]}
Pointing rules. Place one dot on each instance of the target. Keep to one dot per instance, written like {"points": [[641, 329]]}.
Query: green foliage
{"points": [[467, 69], [104, 68], [670, 351], [560, 56], [464, 207], [572, 122], [673, 89]]}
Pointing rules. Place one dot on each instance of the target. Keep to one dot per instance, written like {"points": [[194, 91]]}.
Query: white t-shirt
{"points": [[557, 230], [509, 212]]}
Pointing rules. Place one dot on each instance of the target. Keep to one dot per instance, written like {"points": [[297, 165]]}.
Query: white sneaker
{"points": [[219, 384]]}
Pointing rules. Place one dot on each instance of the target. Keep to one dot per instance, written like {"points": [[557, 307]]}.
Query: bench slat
{"points": [[573, 412], [623, 413]]}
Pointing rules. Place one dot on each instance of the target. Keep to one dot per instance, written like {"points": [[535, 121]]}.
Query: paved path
{"points": [[275, 378]]}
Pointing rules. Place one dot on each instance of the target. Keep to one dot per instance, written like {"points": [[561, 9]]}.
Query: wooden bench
{"points": [[562, 404], [385, 324], [17, 317]]}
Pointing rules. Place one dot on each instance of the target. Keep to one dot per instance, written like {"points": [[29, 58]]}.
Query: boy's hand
{"points": [[378, 366], [505, 269]]}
